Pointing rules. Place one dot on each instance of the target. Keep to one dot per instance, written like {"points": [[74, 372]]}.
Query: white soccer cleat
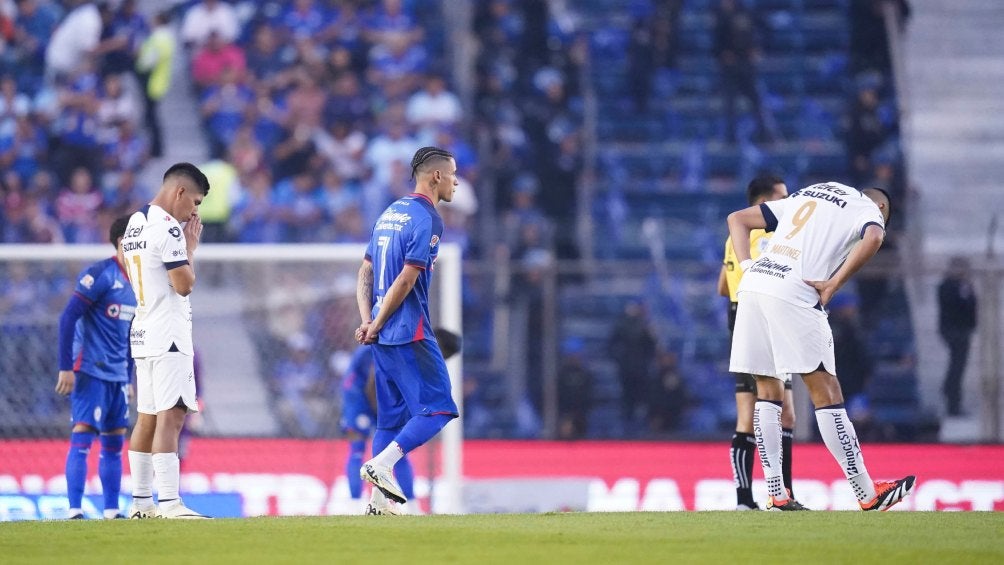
{"points": [[137, 512], [181, 512], [383, 478]]}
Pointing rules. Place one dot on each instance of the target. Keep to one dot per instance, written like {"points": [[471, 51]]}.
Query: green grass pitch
{"points": [[520, 539]]}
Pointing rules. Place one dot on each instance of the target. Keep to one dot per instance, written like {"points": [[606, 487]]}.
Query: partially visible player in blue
{"points": [[412, 385], [95, 369], [359, 413]]}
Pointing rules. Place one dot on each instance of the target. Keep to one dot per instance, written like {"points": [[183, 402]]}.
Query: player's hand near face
{"points": [[193, 231], [65, 382]]}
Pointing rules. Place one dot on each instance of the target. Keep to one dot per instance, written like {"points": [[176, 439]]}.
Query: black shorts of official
{"points": [[745, 382]]}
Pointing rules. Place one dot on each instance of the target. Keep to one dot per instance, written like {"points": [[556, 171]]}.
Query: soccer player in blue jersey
{"points": [[359, 417], [95, 370], [413, 394]]}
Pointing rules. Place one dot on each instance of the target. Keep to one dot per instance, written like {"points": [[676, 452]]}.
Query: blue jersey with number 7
{"points": [[407, 233]]}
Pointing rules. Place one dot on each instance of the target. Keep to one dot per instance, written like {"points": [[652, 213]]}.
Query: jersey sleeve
{"points": [[92, 284], [870, 217], [173, 250], [773, 211], [420, 244]]}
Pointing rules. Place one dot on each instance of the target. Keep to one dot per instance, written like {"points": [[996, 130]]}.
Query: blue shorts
{"points": [[411, 380], [98, 403], [357, 415]]}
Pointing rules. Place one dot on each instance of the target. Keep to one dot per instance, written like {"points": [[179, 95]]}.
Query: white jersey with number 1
{"points": [[816, 228], [154, 244]]}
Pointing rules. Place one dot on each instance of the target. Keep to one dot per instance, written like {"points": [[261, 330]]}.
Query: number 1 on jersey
{"points": [[382, 244], [802, 216], [137, 275]]}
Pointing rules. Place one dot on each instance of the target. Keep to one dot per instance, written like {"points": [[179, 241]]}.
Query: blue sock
{"points": [[405, 477], [419, 430], [76, 466], [110, 469], [355, 461], [382, 438]]}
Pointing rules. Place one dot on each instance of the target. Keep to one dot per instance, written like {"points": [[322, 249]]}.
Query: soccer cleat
{"points": [[181, 512], [137, 512], [787, 505], [77, 516], [889, 493], [386, 509], [383, 478]]}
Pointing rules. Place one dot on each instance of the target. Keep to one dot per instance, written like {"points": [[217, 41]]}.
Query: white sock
{"points": [[74, 511], [141, 467], [389, 456], [767, 428], [168, 471], [111, 513], [842, 441]]}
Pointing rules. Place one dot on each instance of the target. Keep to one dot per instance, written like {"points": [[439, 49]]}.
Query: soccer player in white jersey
{"points": [[160, 255], [823, 234]]}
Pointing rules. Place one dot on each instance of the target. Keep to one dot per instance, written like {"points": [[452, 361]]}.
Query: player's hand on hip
{"points": [[64, 385], [825, 289]]}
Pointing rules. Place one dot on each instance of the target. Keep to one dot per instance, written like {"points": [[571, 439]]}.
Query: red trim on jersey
{"points": [[422, 196], [419, 333], [416, 265], [82, 297], [80, 360], [121, 267]]}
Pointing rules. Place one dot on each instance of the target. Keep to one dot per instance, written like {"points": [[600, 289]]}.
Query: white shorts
{"points": [[165, 381], [775, 338]]}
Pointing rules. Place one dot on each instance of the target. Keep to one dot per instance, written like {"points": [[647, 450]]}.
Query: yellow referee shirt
{"points": [[759, 239]]}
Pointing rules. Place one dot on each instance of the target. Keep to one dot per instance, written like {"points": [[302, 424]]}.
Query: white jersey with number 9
{"points": [[815, 230]]}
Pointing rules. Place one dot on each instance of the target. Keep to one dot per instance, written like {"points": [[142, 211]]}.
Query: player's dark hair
{"points": [[117, 231], [888, 199], [762, 185], [449, 342], [426, 156], [192, 172]]}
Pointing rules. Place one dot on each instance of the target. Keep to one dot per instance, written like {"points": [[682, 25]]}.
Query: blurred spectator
{"points": [[115, 105], [632, 347], [123, 32], [77, 208], [303, 18], [156, 56], [299, 383], [346, 102], [295, 153], [216, 207], [396, 67], [343, 147], [299, 207], [641, 63], [669, 397], [737, 52], [390, 23], [207, 18], [13, 104], [216, 58], [78, 134], [124, 195], [252, 219], [35, 23], [575, 391], [126, 151], [956, 323], [306, 100], [75, 38], [25, 151], [434, 105], [223, 109], [264, 57], [866, 132]]}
